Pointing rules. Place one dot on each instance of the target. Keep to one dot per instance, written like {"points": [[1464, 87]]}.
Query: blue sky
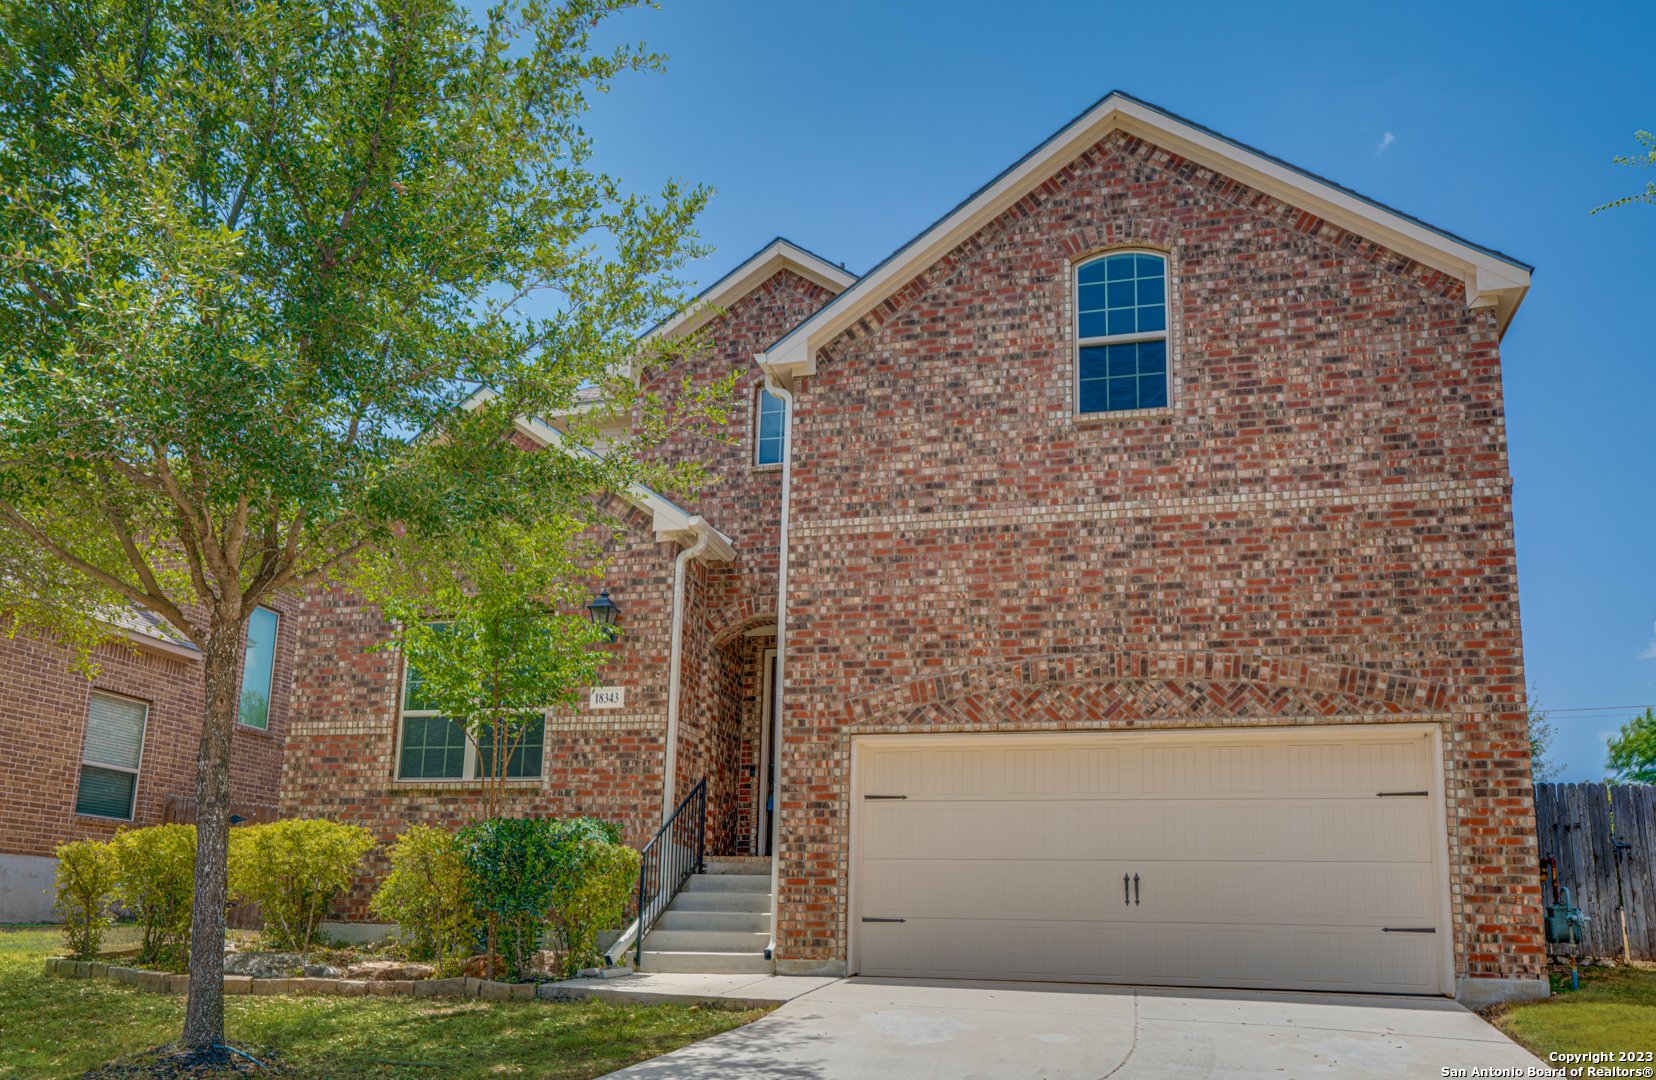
{"points": [[848, 126]]}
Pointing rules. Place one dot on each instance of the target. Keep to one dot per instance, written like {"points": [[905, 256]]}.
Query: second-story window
{"points": [[259, 668], [1121, 332], [771, 413]]}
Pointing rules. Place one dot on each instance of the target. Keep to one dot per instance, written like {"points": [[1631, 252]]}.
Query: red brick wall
{"points": [[1330, 483], [605, 763], [43, 725]]}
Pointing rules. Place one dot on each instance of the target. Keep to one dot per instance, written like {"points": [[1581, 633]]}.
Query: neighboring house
{"points": [[81, 758], [1149, 614]]}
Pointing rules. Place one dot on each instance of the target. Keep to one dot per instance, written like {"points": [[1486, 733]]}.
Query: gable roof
{"points": [[755, 270], [1492, 279], [667, 519]]}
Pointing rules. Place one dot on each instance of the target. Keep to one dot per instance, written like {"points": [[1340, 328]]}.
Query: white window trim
{"points": [[468, 777], [759, 396], [1072, 288], [137, 774]]}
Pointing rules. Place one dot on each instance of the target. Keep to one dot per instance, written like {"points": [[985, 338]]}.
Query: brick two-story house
{"points": [[1118, 585]]}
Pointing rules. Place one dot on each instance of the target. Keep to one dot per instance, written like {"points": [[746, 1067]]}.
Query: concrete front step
{"points": [[721, 901], [739, 864], [753, 922], [706, 941], [752, 883], [711, 963]]}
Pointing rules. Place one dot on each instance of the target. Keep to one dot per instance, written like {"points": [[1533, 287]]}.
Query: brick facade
{"points": [[43, 725], [602, 763], [1317, 529]]}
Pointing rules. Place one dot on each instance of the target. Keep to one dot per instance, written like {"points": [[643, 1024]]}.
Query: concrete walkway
{"points": [[654, 988], [883, 1029]]}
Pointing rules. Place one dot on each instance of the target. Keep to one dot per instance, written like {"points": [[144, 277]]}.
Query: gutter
{"points": [[773, 384], [669, 781]]}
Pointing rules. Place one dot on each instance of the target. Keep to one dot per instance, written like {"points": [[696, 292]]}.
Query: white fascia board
{"points": [[668, 521], [160, 646], [1117, 111], [778, 255]]}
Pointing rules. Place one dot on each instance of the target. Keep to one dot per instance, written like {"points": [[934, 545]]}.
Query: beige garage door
{"points": [[1290, 860]]}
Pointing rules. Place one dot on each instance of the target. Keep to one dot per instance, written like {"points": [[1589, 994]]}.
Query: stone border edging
{"points": [[162, 982]]}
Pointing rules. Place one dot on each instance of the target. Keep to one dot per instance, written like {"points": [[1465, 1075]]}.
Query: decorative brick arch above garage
{"points": [[1115, 688]]}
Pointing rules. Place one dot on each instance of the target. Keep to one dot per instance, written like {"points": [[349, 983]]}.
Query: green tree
{"points": [[246, 251], [491, 625], [1645, 160], [1632, 757], [1543, 769]]}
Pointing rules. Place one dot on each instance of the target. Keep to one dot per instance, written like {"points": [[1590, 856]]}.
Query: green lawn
{"points": [[1615, 1009], [52, 1027]]}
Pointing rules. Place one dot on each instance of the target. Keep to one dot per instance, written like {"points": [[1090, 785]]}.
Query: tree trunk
{"points": [[204, 1014]]}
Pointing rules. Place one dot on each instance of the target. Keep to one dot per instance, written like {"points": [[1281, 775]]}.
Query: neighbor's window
{"points": [[772, 415], [436, 748], [259, 668], [1121, 328], [109, 759]]}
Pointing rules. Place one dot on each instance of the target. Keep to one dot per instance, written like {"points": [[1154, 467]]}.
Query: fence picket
{"points": [[1578, 825]]}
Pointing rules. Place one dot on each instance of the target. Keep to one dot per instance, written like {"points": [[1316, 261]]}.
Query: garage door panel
{"points": [[1103, 953], [1236, 769], [1093, 830], [1238, 956], [1268, 860]]}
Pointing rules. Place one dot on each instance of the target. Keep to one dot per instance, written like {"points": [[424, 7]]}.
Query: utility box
{"points": [[1563, 925]]}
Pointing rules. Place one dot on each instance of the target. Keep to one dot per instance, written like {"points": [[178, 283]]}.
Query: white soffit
{"points": [[1492, 279], [777, 255], [670, 522]]}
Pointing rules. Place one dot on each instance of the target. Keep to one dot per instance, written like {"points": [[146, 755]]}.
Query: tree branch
{"points": [[159, 604]]}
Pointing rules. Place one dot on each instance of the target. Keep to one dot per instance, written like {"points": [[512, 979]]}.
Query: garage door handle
{"points": [[1408, 929], [1125, 899], [867, 919], [885, 796], [1401, 794], [1135, 888]]}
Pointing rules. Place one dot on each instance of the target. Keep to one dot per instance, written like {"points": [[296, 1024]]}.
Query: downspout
{"points": [[669, 782], [774, 386]]}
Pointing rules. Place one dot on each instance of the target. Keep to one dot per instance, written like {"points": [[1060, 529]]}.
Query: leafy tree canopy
{"points": [[252, 256], [1632, 753]]}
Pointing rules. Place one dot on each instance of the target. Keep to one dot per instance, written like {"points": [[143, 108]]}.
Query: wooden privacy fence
{"points": [[1603, 837]]}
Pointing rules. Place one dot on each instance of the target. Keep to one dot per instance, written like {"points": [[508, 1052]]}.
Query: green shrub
{"points": [[525, 872], [427, 894], [85, 880], [509, 863], [155, 878], [293, 869], [598, 876]]}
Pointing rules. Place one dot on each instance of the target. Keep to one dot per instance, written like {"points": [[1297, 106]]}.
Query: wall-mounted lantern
{"points": [[603, 611]]}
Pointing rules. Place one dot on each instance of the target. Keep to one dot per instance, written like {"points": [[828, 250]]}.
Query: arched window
{"points": [[1121, 330], [771, 412]]}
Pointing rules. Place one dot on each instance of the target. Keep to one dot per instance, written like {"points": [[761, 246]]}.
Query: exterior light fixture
{"points": [[603, 612]]}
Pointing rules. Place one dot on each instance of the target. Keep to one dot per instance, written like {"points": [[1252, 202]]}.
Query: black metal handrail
{"points": [[678, 850]]}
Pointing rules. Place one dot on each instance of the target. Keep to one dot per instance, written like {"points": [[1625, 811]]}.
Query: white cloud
{"points": [[1650, 650], [1385, 144]]}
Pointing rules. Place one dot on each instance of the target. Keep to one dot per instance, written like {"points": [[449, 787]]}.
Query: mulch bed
{"points": [[169, 1063]]}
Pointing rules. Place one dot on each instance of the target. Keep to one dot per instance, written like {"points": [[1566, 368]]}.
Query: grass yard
{"points": [[1615, 1009], [52, 1027]]}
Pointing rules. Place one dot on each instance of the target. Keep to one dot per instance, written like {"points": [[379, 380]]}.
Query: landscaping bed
{"points": [[58, 1027], [1614, 1011]]}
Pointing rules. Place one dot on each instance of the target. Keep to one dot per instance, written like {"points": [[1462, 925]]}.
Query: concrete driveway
{"points": [[888, 1029]]}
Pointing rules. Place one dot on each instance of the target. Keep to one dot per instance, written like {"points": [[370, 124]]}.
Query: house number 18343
{"points": [[608, 697]]}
